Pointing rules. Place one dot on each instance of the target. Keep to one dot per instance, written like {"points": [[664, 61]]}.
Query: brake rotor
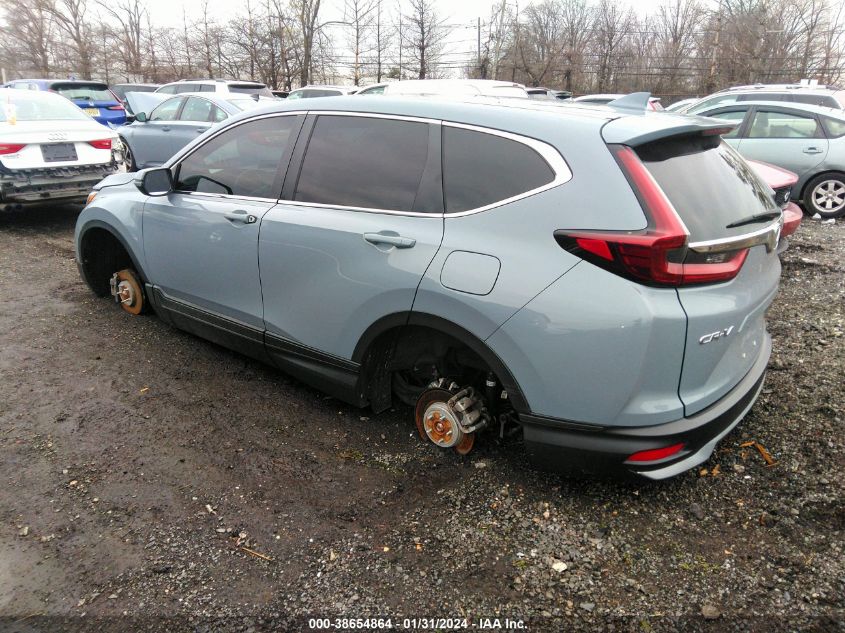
{"points": [[437, 423], [128, 291]]}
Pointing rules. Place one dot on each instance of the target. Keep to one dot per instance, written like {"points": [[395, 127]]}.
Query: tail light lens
{"points": [[101, 144], [10, 148], [655, 454], [657, 255], [115, 107]]}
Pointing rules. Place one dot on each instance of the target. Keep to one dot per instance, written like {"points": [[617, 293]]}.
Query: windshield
{"points": [[34, 106], [93, 92]]}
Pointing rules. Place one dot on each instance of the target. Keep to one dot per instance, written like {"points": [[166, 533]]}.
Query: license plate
{"points": [[56, 152], [91, 111]]}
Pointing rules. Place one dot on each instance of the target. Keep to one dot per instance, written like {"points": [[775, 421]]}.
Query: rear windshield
{"points": [[251, 89], [94, 92], [38, 106], [709, 184]]}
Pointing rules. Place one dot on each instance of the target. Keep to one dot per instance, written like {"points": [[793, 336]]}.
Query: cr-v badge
{"points": [[714, 335]]}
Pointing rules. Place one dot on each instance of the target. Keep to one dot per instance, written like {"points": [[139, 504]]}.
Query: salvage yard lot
{"points": [[150, 473]]}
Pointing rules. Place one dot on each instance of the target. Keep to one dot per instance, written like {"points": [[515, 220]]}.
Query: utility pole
{"points": [[478, 33]]}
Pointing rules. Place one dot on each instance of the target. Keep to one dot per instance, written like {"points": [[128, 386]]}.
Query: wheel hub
{"points": [[441, 426], [125, 294]]}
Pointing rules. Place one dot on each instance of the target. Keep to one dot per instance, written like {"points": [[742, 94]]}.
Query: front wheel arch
{"points": [[102, 251]]}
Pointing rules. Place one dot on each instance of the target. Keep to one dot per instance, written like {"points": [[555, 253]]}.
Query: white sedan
{"points": [[50, 149]]}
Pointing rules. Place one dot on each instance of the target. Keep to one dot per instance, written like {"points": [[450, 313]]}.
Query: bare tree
{"points": [[129, 15], [423, 37], [359, 16], [70, 18]]}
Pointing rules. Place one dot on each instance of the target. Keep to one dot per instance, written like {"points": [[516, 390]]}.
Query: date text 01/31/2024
{"points": [[417, 624]]}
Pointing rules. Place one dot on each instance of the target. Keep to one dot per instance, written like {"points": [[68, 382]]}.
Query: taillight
{"points": [[792, 216], [115, 107], [10, 148], [657, 255], [655, 454], [101, 144]]}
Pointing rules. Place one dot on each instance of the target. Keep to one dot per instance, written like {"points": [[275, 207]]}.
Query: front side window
{"points": [[197, 109], [167, 110], [734, 116], [245, 160], [480, 169], [771, 124], [364, 162]]}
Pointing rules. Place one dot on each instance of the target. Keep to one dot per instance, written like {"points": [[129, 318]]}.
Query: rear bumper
{"points": [[24, 186], [563, 447]]}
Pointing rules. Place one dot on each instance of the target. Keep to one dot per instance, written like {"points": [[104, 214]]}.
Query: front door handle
{"points": [[812, 150], [165, 129], [240, 216], [391, 239]]}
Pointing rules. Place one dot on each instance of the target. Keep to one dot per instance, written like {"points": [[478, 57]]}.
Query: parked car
{"points": [[457, 88], [224, 86], [280, 94], [453, 255], [781, 182], [547, 94], [120, 90], [828, 97], [50, 150], [373, 89], [309, 92], [95, 98], [604, 99], [679, 105], [175, 121], [808, 140]]}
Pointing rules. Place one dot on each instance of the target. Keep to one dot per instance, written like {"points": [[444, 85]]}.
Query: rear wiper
{"points": [[760, 217]]}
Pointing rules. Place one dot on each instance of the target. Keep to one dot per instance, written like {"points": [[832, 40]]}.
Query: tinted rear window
{"points": [[251, 89], [819, 100], [480, 169], [709, 184], [94, 92], [364, 162]]}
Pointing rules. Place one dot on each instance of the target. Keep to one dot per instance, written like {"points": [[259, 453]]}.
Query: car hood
{"points": [[144, 101]]}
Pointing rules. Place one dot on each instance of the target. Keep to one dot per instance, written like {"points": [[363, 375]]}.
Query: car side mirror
{"points": [[157, 181], [141, 117]]}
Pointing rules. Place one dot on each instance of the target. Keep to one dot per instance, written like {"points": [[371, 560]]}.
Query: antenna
{"points": [[634, 103]]}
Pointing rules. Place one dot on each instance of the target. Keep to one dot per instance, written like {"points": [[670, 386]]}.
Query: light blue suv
{"points": [[597, 279]]}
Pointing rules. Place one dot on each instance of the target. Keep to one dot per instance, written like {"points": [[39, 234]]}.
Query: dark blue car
{"points": [[93, 97]]}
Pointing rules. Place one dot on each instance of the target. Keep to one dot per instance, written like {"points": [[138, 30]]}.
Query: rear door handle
{"points": [[165, 129], [812, 150], [393, 240], [240, 216]]}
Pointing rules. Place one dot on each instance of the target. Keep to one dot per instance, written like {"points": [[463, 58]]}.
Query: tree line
{"points": [[683, 47]]}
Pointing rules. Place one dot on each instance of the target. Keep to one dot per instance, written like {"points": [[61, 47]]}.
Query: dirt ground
{"points": [[154, 481]]}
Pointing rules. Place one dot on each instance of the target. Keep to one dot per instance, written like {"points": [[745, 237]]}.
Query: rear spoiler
{"points": [[638, 130]]}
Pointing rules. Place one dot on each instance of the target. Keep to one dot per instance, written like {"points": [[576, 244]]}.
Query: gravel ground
{"points": [[154, 481]]}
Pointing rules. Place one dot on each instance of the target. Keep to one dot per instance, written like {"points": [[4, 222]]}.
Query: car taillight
{"points": [[101, 144], [792, 216], [115, 107], [657, 255], [655, 454], [10, 148]]}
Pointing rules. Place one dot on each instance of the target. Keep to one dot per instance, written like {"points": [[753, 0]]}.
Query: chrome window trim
{"points": [[225, 196], [768, 235], [556, 162]]}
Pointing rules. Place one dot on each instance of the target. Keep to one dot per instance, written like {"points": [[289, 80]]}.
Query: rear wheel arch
{"points": [[376, 346], [102, 252]]}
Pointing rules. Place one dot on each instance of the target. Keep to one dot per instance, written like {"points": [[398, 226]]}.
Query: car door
{"points": [[201, 240], [348, 245], [195, 117], [150, 140], [788, 138]]}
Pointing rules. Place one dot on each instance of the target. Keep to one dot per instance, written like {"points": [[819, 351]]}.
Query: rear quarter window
{"points": [[480, 169]]}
